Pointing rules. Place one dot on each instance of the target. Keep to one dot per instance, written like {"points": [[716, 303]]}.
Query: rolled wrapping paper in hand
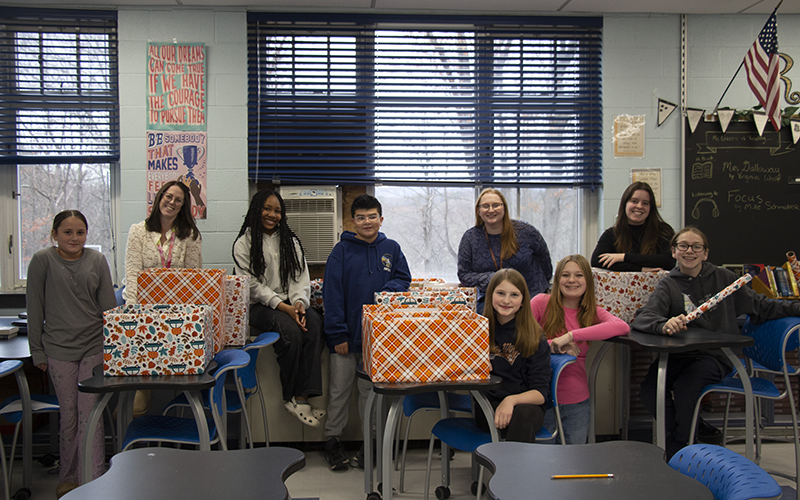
{"points": [[705, 306], [792, 258]]}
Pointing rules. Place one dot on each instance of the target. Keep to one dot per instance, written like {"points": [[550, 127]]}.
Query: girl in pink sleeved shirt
{"points": [[571, 318]]}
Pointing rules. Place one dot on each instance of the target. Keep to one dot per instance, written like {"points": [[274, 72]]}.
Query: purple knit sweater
{"points": [[476, 267]]}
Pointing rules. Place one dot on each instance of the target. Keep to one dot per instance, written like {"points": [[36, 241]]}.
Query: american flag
{"points": [[763, 76]]}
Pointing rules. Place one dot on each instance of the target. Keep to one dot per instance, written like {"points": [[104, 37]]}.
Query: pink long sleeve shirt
{"points": [[573, 386]]}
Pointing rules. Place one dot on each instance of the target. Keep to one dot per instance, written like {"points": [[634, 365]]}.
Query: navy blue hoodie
{"points": [[354, 272]]}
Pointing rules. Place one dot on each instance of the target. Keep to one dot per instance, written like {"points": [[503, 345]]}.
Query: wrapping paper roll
{"points": [[792, 258], [705, 306]]}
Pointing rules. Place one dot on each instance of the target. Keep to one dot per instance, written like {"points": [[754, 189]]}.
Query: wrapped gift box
{"points": [[157, 340], [187, 286], [425, 344], [622, 293], [316, 295], [237, 309], [427, 297]]}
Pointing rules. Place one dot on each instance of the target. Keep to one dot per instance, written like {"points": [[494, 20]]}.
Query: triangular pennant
{"points": [[694, 115], [761, 121], [665, 108], [725, 116], [795, 124]]}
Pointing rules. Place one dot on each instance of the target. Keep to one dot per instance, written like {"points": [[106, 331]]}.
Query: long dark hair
{"points": [[655, 227], [184, 223], [291, 264]]}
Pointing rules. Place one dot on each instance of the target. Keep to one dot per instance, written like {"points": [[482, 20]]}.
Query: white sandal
{"points": [[318, 412], [302, 412]]}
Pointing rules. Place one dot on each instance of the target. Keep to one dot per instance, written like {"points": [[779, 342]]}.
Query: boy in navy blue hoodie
{"points": [[361, 264]]}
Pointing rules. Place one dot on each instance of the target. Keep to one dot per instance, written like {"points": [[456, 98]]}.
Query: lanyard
{"points": [[168, 262], [491, 252]]}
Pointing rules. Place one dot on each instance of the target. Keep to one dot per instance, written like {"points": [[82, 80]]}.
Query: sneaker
{"points": [[707, 433], [335, 455], [358, 460]]}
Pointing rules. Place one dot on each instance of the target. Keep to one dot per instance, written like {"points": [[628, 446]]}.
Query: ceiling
{"points": [[475, 6]]}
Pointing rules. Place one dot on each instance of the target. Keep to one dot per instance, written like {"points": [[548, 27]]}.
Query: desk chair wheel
{"points": [[474, 488], [442, 492], [48, 460], [22, 494], [373, 496]]}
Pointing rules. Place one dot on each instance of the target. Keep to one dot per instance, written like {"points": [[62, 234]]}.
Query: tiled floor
{"points": [[317, 481]]}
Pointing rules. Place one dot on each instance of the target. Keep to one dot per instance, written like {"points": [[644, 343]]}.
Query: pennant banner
{"points": [[760, 118], [694, 115], [725, 116], [665, 108], [795, 123]]}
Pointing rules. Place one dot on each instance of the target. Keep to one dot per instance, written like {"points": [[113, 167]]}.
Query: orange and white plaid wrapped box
{"points": [[157, 340], [237, 309], [187, 286], [622, 293], [425, 297], [425, 344]]}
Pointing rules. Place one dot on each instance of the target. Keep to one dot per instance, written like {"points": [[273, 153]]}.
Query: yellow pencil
{"points": [[580, 476]]}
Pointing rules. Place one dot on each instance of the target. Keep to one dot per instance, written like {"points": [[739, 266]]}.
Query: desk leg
{"points": [[598, 359], [748, 402], [386, 465], [27, 429], [88, 436], [196, 403], [661, 402], [368, 419]]}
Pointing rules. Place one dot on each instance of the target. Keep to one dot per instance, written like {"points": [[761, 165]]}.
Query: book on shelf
{"points": [[782, 282], [773, 285], [792, 279], [753, 269]]}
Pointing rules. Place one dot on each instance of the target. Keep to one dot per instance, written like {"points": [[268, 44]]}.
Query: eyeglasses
{"points": [[494, 206], [172, 199], [697, 248], [360, 219]]}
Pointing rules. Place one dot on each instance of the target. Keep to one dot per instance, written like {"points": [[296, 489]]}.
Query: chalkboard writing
{"points": [[743, 191]]}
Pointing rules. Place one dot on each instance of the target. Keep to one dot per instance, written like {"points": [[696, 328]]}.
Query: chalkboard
{"points": [[743, 191]]}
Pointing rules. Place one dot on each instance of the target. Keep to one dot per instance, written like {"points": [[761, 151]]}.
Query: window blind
{"points": [[58, 86], [408, 99]]}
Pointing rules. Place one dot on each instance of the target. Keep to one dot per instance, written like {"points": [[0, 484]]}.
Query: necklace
{"points": [[485, 232]]}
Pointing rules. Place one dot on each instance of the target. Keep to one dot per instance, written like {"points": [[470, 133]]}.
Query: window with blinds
{"points": [[404, 99], [58, 81]]}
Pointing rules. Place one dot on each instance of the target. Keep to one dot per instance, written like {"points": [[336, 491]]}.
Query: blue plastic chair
{"points": [[727, 474], [159, 428], [557, 363], [247, 383], [463, 433], [773, 339], [428, 401], [7, 368]]}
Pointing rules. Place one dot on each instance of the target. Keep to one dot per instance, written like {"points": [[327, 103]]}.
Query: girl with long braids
{"points": [[279, 300]]}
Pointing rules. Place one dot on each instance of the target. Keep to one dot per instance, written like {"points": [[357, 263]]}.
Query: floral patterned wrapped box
{"points": [[157, 339], [622, 293]]}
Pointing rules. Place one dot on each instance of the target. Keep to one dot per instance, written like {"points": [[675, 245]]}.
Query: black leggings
{"points": [[525, 422]]}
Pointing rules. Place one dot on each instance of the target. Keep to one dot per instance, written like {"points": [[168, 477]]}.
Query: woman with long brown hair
{"points": [[639, 240], [571, 318], [497, 242]]}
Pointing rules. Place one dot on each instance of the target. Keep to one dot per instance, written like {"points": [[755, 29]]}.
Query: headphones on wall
{"points": [[696, 209]]}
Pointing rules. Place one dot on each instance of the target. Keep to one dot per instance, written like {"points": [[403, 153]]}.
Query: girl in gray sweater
{"points": [[68, 289]]}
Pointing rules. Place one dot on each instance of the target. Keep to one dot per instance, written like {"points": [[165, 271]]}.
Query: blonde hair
{"points": [[554, 323], [528, 330], [508, 238]]}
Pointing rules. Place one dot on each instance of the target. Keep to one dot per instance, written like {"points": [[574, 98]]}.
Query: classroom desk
{"points": [[381, 392], [688, 340], [169, 474], [523, 470], [191, 385], [17, 348]]}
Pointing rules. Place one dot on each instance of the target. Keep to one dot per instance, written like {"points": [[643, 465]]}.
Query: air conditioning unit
{"points": [[314, 214]]}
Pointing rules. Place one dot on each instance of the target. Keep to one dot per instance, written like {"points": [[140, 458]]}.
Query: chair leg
{"points": [[403, 454], [796, 439], [480, 484], [6, 475], [694, 421], [396, 449], [428, 468], [263, 412], [725, 421]]}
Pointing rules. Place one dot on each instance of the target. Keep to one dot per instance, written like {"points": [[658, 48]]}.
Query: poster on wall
{"points": [[176, 86], [178, 156]]}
